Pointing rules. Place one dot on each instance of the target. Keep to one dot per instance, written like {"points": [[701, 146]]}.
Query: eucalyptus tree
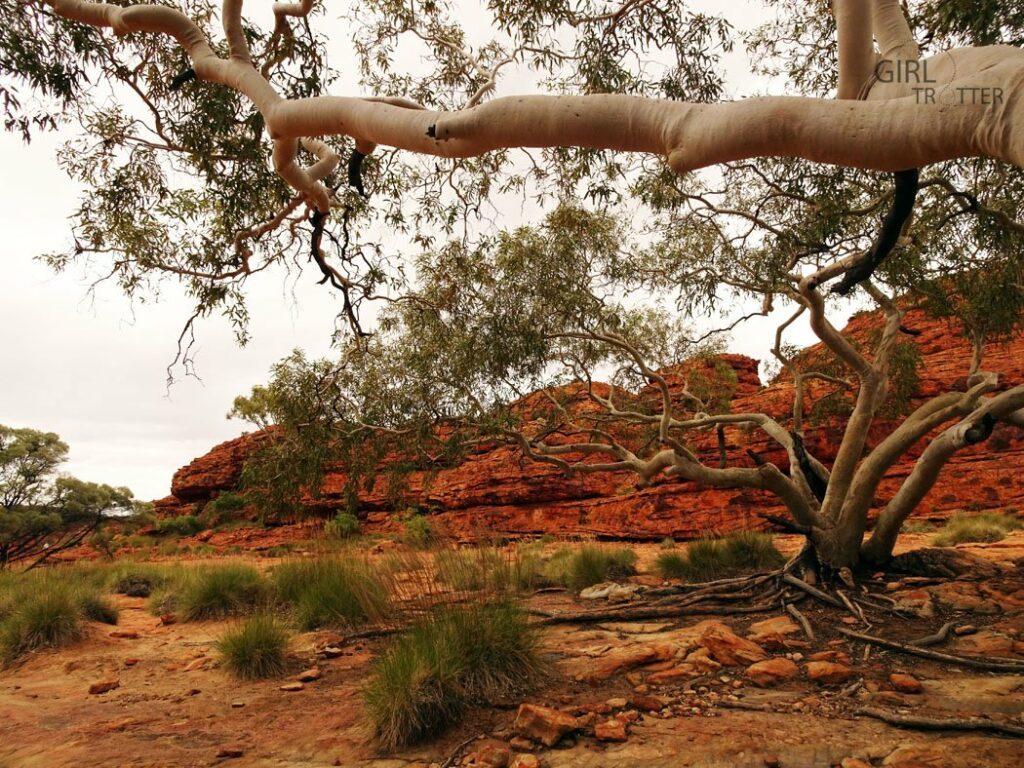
{"points": [[41, 512], [629, 110]]}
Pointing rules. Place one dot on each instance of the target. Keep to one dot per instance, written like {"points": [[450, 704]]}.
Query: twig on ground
{"points": [[942, 724], [747, 705], [454, 756], [801, 619]]}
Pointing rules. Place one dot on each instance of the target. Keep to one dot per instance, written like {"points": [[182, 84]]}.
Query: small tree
{"points": [[547, 309], [629, 108], [42, 513]]}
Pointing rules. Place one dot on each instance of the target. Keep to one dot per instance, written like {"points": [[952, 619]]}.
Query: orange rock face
{"points": [[494, 491]]}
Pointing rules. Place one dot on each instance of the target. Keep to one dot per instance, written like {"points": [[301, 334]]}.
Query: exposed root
{"points": [[942, 724], [935, 638], [914, 650], [805, 625], [824, 597]]}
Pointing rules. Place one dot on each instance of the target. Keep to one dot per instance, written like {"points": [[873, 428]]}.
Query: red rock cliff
{"points": [[496, 491]]}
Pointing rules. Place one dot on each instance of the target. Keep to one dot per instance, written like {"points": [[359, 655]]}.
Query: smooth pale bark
{"points": [[895, 135], [926, 471], [856, 51]]}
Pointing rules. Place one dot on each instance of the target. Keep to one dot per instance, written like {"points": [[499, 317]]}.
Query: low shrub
{"points": [[220, 591], [330, 592], [345, 525], [983, 527], [183, 525], [457, 657], [492, 569], [256, 649], [225, 508], [418, 532], [752, 550]]}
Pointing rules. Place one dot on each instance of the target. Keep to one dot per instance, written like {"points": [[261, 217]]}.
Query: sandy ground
{"points": [[174, 706]]}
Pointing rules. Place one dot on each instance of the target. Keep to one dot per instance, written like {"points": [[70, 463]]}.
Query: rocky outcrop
{"points": [[494, 490]]}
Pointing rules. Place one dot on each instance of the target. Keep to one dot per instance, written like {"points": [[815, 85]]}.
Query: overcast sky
{"points": [[93, 368]]}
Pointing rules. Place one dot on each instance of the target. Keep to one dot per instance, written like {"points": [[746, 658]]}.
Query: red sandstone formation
{"points": [[496, 491]]}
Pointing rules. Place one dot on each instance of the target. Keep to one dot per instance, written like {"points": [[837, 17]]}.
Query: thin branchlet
{"points": [[904, 195]]}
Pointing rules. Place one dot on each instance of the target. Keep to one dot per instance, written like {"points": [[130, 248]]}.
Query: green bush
{"points": [[345, 525], [256, 649], [984, 527], [668, 543], [183, 525], [330, 592], [418, 532], [220, 591], [136, 579], [454, 659], [225, 508]]}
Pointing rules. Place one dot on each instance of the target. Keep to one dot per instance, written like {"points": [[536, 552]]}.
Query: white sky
{"points": [[93, 369]]}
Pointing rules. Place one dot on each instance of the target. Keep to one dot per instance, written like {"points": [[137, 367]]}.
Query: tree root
{"points": [[913, 650], [789, 578], [630, 613], [805, 625], [935, 638], [941, 724]]}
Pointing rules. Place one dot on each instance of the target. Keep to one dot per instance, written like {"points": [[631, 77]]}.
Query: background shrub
{"points": [[708, 559], [983, 527], [345, 525], [183, 525]]}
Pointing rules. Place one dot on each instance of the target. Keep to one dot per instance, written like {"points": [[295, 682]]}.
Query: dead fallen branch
{"points": [[913, 650], [746, 705], [630, 613], [942, 723]]}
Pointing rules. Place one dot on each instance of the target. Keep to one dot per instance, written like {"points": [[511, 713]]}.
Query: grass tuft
{"points": [[330, 592], [671, 565], [709, 559], [219, 592], [457, 657], [48, 618], [983, 527], [581, 568], [256, 649]]}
